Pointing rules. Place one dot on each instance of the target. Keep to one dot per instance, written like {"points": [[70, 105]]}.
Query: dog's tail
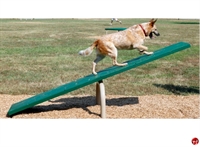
{"points": [[88, 50]]}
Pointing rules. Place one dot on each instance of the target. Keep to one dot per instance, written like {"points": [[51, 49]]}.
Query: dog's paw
{"points": [[124, 64], [94, 73], [148, 53]]}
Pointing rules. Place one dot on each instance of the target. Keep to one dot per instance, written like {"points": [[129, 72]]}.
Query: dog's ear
{"points": [[152, 22]]}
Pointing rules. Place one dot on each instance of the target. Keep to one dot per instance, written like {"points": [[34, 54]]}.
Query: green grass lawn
{"points": [[37, 55]]}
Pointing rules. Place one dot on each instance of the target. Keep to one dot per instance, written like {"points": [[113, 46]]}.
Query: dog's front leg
{"points": [[143, 50]]}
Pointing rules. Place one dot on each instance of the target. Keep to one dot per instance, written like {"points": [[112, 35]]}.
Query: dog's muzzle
{"points": [[155, 33]]}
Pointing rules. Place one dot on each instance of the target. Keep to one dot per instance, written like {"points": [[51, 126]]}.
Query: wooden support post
{"points": [[101, 98]]}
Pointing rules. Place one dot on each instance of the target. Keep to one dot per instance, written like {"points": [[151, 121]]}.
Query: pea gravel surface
{"points": [[117, 106]]}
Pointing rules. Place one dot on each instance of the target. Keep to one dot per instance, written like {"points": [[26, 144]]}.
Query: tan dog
{"points": [[131, 38]]}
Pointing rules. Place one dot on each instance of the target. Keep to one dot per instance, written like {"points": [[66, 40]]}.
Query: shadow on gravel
{"points": [[178, 89], [79, 102]]}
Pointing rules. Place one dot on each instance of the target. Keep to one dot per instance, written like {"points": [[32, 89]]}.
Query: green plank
{"points": [[115, 29], [87, 80]]}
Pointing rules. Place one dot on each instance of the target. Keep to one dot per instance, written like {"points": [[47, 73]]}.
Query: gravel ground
{"points": [[117, 106]]}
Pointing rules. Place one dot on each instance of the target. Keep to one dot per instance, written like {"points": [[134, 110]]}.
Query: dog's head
{"points": [[152, 29]]}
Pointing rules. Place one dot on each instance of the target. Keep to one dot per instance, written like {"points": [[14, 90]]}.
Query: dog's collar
{"points": [[143, 30]]}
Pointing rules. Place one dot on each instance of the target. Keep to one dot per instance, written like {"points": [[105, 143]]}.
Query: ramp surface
{"points": [[87, 80]]}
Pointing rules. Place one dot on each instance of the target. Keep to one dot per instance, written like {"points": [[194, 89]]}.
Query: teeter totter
{"points": [[101, 75]]}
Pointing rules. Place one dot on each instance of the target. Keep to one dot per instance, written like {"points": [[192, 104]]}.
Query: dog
{"points": [[115, 19], [131, 38]]}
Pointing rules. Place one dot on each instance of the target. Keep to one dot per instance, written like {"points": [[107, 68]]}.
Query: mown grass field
{"points": [[37, 55]]}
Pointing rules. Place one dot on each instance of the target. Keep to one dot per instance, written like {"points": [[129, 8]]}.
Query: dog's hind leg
{"points": [[98, 58], [116, 63], [113, 55]]}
